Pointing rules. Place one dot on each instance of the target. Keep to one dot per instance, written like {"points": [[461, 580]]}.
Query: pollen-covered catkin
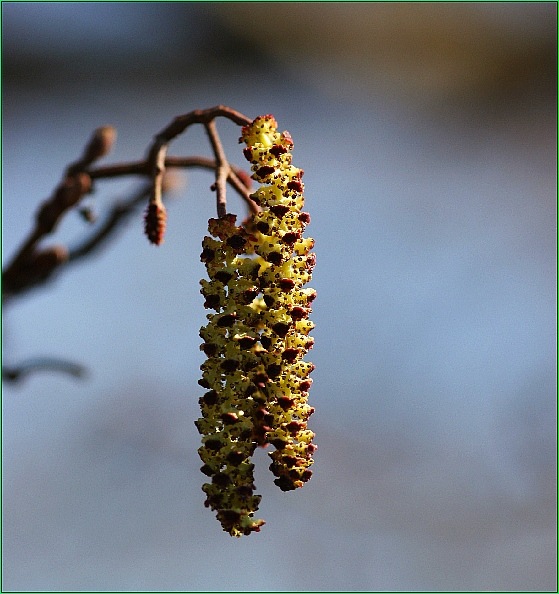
{"points": [[255, 342]]}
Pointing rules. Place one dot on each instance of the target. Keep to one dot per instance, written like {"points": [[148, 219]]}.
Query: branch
{"points": [[222, 169], [237, 177], [113, 220], [155, 216], [29, 265], [19, 372], [25, 272], [67, 194], [32, 266]]}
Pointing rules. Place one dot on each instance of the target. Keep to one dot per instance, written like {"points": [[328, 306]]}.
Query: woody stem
{"points": [[222, 168]]}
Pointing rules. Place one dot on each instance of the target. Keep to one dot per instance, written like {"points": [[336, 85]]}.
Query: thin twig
{"points": [[158, 149], [119, 212], [198, 116], [237, 178], [31, 266], [67, 195], [221, 169], [28, 261], [16, 373], [23, 274]]}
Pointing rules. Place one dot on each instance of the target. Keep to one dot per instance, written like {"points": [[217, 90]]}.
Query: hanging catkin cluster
{"points": [[256, 340]]}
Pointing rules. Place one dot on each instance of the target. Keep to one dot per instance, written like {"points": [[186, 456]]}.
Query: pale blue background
{"points": [[433, 202]]}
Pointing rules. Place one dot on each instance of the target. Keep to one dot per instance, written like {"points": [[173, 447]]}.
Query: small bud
{"points": [[50, 257], [100, 144]]}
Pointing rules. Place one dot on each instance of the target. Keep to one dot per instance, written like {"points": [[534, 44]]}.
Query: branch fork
{"points": [[33, 266]]}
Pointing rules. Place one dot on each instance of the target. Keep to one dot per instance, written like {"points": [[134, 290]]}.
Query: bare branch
{"points": [[28, 260], [29, 265], [237, 178], [158, 152], [33, 266], [19, 372], [23, 274], [222, 168], [118, 214]]}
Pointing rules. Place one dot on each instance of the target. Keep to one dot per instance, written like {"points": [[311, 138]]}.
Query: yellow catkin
{"points": [[255, 342]]}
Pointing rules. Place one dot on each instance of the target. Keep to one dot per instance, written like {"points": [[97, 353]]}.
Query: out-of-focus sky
{"points": [[427, 133]]}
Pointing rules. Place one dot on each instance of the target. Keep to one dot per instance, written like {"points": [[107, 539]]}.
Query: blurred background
{"points": [[427, 133]]}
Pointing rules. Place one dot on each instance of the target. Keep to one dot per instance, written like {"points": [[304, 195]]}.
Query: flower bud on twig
{"points": [[100, 144], [155, 222]]}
